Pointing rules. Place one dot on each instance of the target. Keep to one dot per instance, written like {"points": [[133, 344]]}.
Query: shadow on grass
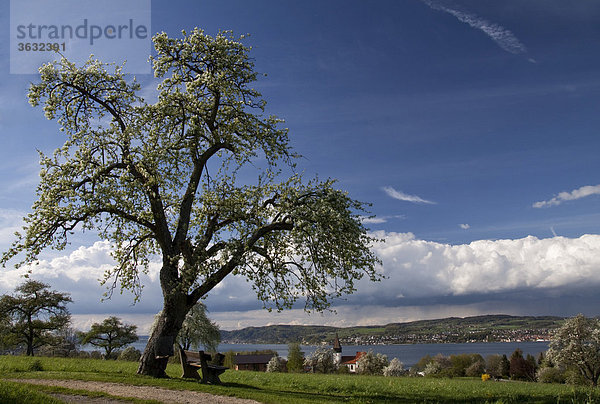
{"points": [[240, 386], [277, 395]]}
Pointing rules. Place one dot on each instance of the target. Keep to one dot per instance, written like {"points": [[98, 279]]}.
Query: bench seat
{"points": [[192, 361]]}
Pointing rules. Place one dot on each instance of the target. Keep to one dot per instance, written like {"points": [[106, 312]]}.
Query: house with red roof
{"points": [[350, 361]]}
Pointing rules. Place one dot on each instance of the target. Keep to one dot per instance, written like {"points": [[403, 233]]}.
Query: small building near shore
{"points": [[351, 361], [256, 362]]}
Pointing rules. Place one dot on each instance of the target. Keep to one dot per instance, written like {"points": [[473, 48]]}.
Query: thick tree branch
{"points": [[190, 193], [214, 279], [115, 114]]}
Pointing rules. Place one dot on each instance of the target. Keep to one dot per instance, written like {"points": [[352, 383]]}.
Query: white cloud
{"points": [[465, 226], [578, 193], [78, 273], [422, 269], [10, 221], [401, 196], [502, 36]]}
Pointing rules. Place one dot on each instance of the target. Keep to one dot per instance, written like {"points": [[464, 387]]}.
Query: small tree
{"points": [[504, 366], [321, 361], [421, 364], [461, 362], [371, 363], [110, 335], [295, 358], [229, 360], [432, 368], [439, 365], [6, 337], [476, 369], [577, 344], [130, 354], [521, 368], [33, 314], [493, 365], [64, 342], [550, 375], [276, 364], [198, 329], [394, 369]]}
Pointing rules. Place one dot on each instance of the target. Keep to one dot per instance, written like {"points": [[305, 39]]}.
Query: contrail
{"points": [[401, 196], [503, 37]]}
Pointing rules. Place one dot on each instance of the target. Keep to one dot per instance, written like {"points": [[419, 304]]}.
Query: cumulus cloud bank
{"points": [[502, 36], [569, 196], [419, 268], [79, 274], [424, 279], [401, 196]]}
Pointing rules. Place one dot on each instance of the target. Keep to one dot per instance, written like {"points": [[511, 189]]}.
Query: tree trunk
{"points": [[29, 336], [160, 345]]}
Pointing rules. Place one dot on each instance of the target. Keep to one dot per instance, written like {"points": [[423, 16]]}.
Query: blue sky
{"points": [[471, 127]]}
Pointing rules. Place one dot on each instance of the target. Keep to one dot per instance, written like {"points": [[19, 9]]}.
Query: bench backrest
{"points": [[194, 356]]}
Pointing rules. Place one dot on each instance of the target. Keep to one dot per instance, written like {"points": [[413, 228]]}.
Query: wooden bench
{"points": [[192, 361]]}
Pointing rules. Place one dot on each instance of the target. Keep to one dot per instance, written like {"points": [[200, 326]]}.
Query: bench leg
{"points": [[213, 377], [190, 372]]}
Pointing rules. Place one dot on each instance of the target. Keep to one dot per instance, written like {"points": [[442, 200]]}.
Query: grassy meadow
{"points": [[287, 388]]}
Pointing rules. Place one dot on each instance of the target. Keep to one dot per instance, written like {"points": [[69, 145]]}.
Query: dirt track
{"points": [[124, 390]]}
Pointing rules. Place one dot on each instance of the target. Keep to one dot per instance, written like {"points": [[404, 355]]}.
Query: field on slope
{"points": [[297, 388]]}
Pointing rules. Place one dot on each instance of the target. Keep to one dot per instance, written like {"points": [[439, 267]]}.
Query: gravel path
{"points": [[124, 390]]}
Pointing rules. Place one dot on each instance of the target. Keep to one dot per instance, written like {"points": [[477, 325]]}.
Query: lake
{"points": [[408, 354]]}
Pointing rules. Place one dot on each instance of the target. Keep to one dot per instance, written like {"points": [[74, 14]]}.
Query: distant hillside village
{"points": [[518, 335], [491, 328]]}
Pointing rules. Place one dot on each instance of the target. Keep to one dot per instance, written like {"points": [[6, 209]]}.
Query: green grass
{"points": [[308, 388], [16, 393]]}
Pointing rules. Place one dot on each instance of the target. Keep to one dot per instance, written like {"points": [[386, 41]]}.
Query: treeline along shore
{"points": [[488, 328]]}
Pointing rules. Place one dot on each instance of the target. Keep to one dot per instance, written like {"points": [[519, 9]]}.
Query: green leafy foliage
{"points": [[461, 362], [33, 315], [198, 330], [130, 354], [550, 375], [110, 335], [295, 358], [522, 368], [229, 360]]}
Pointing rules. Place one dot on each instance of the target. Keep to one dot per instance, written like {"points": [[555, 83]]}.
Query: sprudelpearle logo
{"points": [[112, 30]]}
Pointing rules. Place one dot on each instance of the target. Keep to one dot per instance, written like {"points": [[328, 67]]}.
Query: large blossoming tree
{"points": [[170, 180], [577, 344]]}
